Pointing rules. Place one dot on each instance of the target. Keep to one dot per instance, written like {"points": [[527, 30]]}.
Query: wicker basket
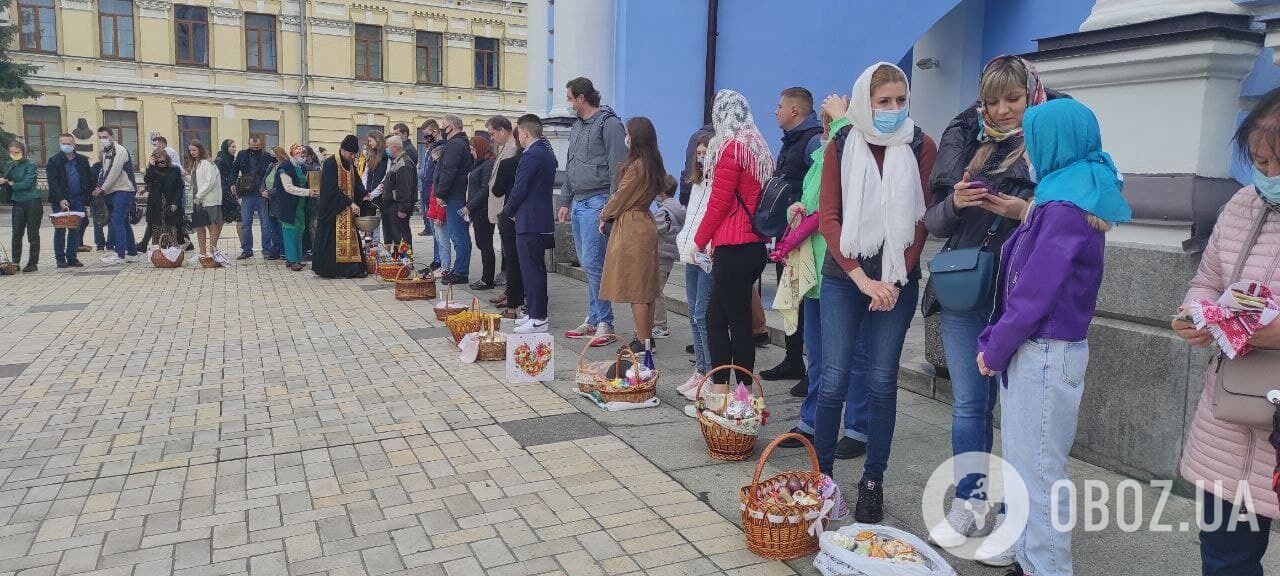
{"points": [[416, 289], [443, 313], [723, 443], [589, 375], [780, 531], [633, 394], [392, 271], [493, 345], [65, 220], [371, 264], [157, 257], [474, 320]]}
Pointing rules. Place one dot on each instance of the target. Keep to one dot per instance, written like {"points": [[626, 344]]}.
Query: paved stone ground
{"points": [[255, 420]]}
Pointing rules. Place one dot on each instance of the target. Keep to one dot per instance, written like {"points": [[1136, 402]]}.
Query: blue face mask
{"points": [[888, 121], [66, 148], [387, 153], [1268, 186]]}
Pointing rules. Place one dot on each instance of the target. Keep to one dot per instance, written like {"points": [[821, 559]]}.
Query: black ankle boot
{"points": [[870, 507]]}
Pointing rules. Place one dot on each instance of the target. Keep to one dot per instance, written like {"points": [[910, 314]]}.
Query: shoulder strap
{"points": [[1249, 244]]}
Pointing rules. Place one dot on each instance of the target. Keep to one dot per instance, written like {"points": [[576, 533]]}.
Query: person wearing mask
{"points": [[697, 279], [451, 188], [477, 210], [70, 184], [738, 163], [400, 192], [164, 199], [402, 130], [116, 183], [982, 145], [871, 201], [853, 439], [631, 257], [801, 137], [499, 128], [1046, 293], [372, 168], [337, 249], [1219, 457], [529, 204], [28, 210], [161, 144], [426, 174], [597, 149], [289, 201], [206, 198], [504, 177], [248, 174]]}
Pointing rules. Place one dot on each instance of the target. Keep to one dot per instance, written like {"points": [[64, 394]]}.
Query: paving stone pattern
{"points": [[196, 422]]}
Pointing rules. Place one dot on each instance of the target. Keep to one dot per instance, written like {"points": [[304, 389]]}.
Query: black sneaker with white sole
{"points": [[870, 507]]}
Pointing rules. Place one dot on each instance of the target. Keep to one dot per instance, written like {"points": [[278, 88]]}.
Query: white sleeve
{"points": [[290, 188], [205, 180]]}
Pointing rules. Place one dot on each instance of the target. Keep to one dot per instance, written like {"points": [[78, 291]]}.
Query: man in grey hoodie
{"points": [[597, 148]]}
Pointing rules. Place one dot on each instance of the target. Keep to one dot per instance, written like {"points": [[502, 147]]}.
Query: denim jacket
{"points": [[1050, 273]]}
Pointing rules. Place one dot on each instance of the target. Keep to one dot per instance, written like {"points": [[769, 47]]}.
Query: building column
{"points": [[1113, 13], [568, 39]]}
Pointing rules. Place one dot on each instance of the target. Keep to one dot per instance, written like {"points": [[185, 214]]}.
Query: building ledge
{"points": [[1201, 26]]}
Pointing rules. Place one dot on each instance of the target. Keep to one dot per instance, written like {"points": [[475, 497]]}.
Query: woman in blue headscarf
{"points": [[1050, 273]]}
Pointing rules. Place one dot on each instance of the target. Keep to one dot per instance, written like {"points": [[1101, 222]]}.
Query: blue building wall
{"points": [[1013, 26]]}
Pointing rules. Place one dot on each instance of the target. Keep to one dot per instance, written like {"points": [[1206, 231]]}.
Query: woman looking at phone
{"points": [[981, 185]]}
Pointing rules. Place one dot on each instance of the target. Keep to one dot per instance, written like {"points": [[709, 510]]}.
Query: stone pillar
{"points": [[568, 39], [1164, 79]]}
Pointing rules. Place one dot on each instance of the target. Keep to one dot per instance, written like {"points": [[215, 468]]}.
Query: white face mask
{"points": [[105, 143]]}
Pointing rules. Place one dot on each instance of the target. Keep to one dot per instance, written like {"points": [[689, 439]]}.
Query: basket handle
{"points": [[448, 295], [475, 305], [706, 379], [581, 355], [492, 337], [764, 456], [164, 238], [617, 362]]}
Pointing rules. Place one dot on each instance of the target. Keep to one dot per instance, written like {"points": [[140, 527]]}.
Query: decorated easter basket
{"points": [[161, 260], [635, 393], [470, 320], [780, 531], [724, 443], [416, 288], [66, 220], [493, 344], [588, 375], [447, 307], [393, 271]]}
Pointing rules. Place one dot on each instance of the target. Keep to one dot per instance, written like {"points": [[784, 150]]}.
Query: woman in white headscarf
{"points": [[873, 197], [737, 164]]}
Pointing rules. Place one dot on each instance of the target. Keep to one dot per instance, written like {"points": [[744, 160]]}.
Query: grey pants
{"points": [[26, 220], [660, 308]]}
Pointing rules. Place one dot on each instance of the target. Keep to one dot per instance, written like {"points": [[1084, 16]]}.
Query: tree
{"points": [[13, 75]]}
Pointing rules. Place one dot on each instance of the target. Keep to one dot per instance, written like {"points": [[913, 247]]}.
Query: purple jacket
{"points": [[1050, 272]]}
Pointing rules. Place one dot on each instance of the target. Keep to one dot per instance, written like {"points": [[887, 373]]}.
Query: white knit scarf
{"points": [[881, 206], [735, 128]]}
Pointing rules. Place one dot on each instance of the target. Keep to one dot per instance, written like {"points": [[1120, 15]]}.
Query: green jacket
{"points": [[22, 180], [809, 197]]}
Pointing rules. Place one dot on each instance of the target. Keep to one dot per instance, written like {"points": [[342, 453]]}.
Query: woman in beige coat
{"points": [[1231, 463], [631, 258]]}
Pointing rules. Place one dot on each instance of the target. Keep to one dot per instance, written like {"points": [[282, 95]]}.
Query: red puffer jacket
{"points": [[726, 223]]}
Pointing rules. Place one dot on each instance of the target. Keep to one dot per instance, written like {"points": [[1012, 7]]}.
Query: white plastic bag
{"points": [[834, 560]]}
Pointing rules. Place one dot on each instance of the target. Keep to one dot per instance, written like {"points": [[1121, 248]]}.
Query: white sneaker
{"points": [[440, 273], [996, 552], [661, 332], [533, 327], [131, 258], [522, 320], [112, 260], [960, 524]]}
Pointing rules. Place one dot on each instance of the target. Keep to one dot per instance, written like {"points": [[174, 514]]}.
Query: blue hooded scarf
{"points": [[1064, 144]]}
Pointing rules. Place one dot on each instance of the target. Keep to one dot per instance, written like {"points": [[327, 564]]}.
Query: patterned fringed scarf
{"points": [[736, 129]]}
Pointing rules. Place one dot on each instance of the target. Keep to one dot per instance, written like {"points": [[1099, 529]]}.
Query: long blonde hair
{"points": [[1003, 77]]}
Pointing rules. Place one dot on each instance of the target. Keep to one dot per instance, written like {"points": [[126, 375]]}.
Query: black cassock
{"points": [[332, 205]]}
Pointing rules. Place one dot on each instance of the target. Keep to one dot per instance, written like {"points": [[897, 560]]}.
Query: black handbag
{"points": [[963, 279]]}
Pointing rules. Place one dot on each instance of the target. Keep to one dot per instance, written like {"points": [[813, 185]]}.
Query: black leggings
{"points": [[729, 338], [27, 215], [484, 241]]}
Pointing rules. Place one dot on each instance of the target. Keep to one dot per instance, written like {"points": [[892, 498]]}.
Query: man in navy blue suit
{"points": [[529, 204]]}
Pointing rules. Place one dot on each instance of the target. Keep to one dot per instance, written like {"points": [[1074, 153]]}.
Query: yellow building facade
{"points": [[216, 69]]}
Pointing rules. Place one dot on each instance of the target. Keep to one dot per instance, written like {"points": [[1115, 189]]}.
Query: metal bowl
{"points": [[367, 224]]}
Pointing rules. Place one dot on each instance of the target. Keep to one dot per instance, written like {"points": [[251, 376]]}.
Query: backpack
{"points": [[769, 219]]}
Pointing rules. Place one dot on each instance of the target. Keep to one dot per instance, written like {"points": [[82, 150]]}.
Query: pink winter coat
{"points": [[1216, 450]]}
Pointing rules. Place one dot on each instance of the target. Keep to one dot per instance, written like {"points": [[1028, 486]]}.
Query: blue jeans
{"points": [[1228, 550], [697, 287], [855, 400], [273, 238], [66, 243], [248, 206], [121, 232], [459, 236], [1038, 410], [590, 245], [440, 244], [846, 320], [975, 398]]}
